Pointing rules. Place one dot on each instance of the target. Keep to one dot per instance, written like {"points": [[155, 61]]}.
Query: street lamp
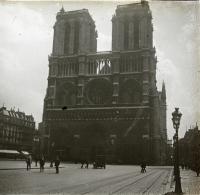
{"points": [[176, 117]]}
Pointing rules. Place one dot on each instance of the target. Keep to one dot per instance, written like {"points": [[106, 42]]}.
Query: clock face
{"points": [[99, 91]]}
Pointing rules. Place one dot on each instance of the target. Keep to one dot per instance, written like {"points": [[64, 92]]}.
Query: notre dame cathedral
{"points": [[105, 102]]}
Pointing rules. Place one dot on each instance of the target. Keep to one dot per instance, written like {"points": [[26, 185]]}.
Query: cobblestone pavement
{"points": [[189, 181], [19, 164], [73, 179]]}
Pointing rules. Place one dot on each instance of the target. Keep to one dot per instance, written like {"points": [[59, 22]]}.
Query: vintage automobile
{"points": [[100, 162]]}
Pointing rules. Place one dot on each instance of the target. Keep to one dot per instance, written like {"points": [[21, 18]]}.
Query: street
{"points": [[73, 179]]}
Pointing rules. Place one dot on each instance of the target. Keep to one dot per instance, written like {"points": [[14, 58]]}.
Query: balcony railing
{"points": [[100, 63]]}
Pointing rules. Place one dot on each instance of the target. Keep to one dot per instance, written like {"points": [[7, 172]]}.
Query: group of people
{"points": [[195, 166], [41, 162], [84, 162]]}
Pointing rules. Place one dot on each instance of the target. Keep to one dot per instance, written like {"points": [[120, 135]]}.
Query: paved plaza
{"points": [[190, 182], [115, 179]]}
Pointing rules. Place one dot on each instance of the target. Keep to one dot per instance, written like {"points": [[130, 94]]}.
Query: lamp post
{"points": [[176, 117]]}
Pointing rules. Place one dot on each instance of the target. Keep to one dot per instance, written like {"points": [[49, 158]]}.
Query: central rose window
{"points": [[99, 91]]}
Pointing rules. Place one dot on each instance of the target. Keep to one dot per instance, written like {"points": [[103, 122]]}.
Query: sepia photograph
{"points": [[100, 97]]}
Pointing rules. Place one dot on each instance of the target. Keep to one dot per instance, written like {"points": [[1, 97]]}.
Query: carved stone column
{"points": [[59, 36], [114, 34], [82, 36], [121, 34], [131, 35], [81, 73], [71, 39], [145, 90], [87, 36], [115, 72]]}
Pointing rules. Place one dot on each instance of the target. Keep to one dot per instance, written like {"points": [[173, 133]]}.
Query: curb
{"points": [[169, 185]]}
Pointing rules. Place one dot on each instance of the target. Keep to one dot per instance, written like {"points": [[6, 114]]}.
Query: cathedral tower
{"points": [[111, 99], [132, 27], [74, 33]]}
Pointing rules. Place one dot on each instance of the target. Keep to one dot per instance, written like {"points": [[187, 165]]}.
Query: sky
{"points": [[26, 37]]}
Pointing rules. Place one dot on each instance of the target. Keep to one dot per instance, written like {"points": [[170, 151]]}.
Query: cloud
{"points": [[26, 37], [104, 42], [24, 58], [179, 92]]}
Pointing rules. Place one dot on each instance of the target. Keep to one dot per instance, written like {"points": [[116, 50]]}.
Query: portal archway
{"points": [[94, 139]]}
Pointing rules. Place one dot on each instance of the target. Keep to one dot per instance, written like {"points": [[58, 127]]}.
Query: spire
{"points": [[163, 94], [62, 10], [197, 126], [60, 13]]}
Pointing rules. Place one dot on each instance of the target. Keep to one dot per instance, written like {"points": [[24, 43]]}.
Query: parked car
{"points": [[100, 162]]}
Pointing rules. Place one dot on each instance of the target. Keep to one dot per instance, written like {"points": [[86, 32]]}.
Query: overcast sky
{"points": [[26, 37]]}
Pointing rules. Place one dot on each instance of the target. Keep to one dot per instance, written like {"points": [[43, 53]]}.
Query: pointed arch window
{"points": [[66, 94], [76, 37], [67, 38]]}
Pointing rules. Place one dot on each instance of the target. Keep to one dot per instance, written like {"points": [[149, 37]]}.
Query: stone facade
{"points": [[110, 100], [189, 148], [16, 130], [74, 33]]}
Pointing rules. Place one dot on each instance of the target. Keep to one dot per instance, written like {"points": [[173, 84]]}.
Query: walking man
{"points": [[57, 163], [28, 162], [42, 162], [143, 167], [36, 159]]}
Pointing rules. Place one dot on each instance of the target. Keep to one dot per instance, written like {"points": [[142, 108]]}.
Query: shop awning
{"points": [[9, 152]]}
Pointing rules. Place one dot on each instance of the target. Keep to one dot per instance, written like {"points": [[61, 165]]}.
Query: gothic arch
{"points": [[130, 92], [94, 138], [67, 38], [66, 94]]}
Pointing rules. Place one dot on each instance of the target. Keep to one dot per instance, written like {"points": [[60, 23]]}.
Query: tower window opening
{"points": [[67, 38], [76, 37]]}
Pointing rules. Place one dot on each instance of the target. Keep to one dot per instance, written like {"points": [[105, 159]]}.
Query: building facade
{"points": [[110, 100], [16, 130], [189, 148]]}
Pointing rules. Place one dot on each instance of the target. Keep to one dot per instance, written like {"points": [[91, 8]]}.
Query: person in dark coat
{"points": [[57, 163], [143, 167], [197, 167], [42, 162], [36, 159], [28, 162], [84, 158]]}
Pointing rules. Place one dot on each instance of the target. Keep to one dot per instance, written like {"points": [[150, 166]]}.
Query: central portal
{"points": [[93, 141]]}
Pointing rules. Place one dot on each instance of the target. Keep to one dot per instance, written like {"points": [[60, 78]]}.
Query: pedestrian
{"points": [[82, 163], [197, 168], [84, 158], [36, 159], [143, 167], [57, 163], [87, 164], [28, 162], [42, 162], [51, 163]]}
